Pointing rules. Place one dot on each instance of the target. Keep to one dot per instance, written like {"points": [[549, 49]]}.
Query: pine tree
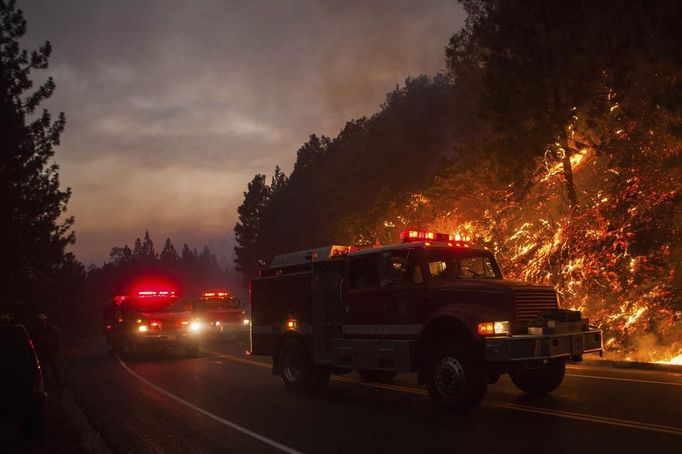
{"points": [[138, 252], [120, 255], [148, 246], [33, 231], [248, 230], [169, 254]]}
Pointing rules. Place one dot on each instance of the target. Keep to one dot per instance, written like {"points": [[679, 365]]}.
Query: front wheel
{"points": [[538, 381], [455, 378], [299, 374]]}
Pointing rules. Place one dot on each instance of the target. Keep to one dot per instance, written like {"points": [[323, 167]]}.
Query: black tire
{"points": [[298, 372], [380, 376], [455, 378], [541, 381], [192, 350]]}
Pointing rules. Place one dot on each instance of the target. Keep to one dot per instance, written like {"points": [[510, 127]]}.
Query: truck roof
{"points": [[320, 254], [418, 244], [305, 256]]}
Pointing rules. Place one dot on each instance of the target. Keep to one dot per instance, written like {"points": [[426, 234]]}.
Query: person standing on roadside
{"points": [[47, 340]]}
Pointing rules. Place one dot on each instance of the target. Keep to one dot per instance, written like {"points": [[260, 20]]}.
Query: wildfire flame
{"points": [[593, 258]]}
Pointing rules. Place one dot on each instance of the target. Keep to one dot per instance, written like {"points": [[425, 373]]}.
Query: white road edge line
{"points": [[230, 424]]}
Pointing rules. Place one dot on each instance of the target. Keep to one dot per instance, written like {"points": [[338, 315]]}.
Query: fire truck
{"points": [[151, 320], [433, 304], [223, 315]]}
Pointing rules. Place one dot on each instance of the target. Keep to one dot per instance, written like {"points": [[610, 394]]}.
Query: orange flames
{"points": [[613, 258]]}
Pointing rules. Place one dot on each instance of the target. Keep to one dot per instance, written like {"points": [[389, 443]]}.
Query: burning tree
{"points": [[595, 144]]}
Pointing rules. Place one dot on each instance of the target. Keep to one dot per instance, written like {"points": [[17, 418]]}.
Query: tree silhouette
{"points": [[169, 254], [249, 228], [33, 231]]}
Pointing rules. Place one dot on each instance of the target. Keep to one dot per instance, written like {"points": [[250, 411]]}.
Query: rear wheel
{"points": [[299, 374], [380, 376], [538, 381], [455, 378], [122, 349]]}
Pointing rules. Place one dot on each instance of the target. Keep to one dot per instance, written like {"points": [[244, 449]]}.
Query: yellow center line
{"points": [[602, 377], [504, 405]]}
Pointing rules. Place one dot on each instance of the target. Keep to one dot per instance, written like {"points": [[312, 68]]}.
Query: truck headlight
{"points": [[492, 328], [195, 327], [246, 321]]}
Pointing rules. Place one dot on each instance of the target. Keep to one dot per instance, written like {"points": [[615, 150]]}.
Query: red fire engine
{"points": [[223, 315], [151, 319], [433, 304]]}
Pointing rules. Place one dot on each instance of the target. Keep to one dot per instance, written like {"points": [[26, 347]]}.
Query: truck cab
{"points": [[433, 304], [151, 320], [222, 314]]}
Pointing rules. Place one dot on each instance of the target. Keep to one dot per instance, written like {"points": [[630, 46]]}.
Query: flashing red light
{"points": [[215, 294], [153, 293], [454, 239]]}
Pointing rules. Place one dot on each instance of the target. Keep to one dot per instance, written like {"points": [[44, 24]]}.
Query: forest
{"points": [[552, 137]]}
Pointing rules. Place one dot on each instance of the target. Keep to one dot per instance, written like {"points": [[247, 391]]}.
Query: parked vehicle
{"points": [[22, 392]]}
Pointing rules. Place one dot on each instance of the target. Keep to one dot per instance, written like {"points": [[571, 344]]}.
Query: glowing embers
{"points": [[454, 239]]}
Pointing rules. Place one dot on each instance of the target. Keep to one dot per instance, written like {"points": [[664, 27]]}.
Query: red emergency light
{"points": [[155, 293], [455, 239], [215, 294]]}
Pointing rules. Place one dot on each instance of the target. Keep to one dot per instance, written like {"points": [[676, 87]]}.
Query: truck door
{"points": [[408, 299], [362, 297]]}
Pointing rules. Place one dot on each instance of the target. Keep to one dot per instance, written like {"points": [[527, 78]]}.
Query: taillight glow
{"points": [[291, 323]]}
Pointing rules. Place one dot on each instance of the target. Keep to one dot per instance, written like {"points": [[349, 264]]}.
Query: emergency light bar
{"points": [[408, 236], [215, 294], [152, 293]]}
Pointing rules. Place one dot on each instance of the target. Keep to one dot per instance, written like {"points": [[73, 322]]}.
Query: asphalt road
{"points": [[226, 402]]}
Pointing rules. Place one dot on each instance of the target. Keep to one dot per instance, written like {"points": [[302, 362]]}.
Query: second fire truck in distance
{"points": [[432, 305], [223, 315], [151, 320]]}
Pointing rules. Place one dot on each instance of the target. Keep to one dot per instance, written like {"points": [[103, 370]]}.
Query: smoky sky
{"points": [[173, 106]]}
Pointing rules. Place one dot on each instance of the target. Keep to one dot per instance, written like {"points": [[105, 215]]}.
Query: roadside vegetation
{"points": [[552, 137]]}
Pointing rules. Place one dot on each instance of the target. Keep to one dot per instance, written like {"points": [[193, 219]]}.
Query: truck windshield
{"points": [[447, 265], [218, 304], [153, 304]]}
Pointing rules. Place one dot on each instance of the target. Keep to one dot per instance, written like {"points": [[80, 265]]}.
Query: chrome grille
{"points": [[530, 302]]}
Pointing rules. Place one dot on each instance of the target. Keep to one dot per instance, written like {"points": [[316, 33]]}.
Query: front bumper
{"points": [[230, 329], [528, 347], [168, 339]]}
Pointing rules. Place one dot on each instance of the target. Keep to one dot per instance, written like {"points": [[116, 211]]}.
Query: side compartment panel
{"points": [[274, 300]]}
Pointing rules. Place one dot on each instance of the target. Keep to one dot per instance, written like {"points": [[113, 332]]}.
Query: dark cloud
{"points": [[172, 106]]}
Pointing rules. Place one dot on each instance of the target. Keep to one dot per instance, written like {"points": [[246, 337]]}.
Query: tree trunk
{"points": [[568, 179]]}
